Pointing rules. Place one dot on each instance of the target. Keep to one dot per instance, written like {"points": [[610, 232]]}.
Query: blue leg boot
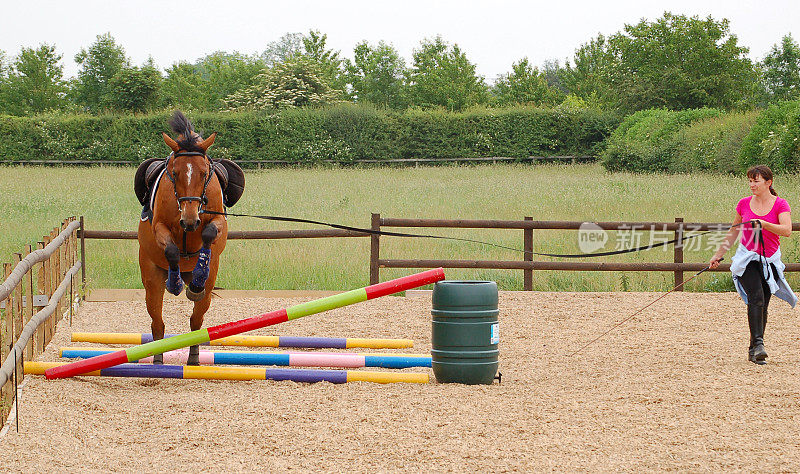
{"points": [[174, 282], [197, 288]]}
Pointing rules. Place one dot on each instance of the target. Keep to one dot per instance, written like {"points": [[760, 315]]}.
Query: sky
{"points": [[493, 34]]}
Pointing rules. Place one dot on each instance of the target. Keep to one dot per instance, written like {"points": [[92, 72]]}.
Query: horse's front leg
{"points": [[174, 282], [196, 290], [199, 311]]}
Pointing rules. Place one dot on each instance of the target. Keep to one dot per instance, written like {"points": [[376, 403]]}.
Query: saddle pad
{"points": [[145, 175], [231, 178]]}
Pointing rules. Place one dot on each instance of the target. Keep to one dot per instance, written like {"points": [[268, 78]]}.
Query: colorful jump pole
{"points": [[253, 341], [237, 327], [291, 359], [238, 373]]}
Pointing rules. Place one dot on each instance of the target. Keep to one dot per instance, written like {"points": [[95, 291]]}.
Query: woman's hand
{"points": [[714, 262]]}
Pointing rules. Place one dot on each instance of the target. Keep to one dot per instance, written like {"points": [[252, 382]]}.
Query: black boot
{"points": [[755, 319]]}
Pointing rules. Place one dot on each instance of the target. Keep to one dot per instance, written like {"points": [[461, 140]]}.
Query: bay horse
{"points": [[178, 242]]}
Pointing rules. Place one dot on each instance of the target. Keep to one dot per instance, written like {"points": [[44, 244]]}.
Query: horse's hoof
{"points": [[158, 359], [193, 360], [175, 286], [195, 295]]}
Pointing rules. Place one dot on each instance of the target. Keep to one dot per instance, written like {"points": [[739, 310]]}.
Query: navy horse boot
{"points": [[174, 282], [197, 287]]}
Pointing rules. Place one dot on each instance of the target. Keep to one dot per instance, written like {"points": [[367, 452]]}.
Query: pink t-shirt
{"points": [[748, 236]]}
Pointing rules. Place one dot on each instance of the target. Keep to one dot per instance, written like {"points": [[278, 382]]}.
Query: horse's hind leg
{"points": [[154, 280]]}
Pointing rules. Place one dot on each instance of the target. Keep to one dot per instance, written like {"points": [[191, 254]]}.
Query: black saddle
{"points": [[229, 174]]}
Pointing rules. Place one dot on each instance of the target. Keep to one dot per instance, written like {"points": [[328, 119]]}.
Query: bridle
{"points": [[202, 199]]}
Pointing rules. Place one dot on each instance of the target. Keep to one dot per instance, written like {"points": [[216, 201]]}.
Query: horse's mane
{"points": [[182, 126]]}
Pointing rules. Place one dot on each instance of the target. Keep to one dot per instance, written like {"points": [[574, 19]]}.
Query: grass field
{"points": [[34, 199]]}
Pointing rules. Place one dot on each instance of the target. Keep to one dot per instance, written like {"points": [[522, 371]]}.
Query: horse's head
{"points": [[189, 169]]}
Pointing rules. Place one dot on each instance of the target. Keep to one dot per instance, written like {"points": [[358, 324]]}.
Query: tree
{"points": [[781, 70], [679, 63], [328, 60], [297, 82], [184, 87], [589, 78], [524, 85], [553, 73], [34, 83], [135, 89], [204, 85], [376, 74], [443, 76], [279, 51], [674, 62], [98, 65]]}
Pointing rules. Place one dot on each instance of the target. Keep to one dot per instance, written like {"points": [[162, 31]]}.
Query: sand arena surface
{"points": [[669, 390]]}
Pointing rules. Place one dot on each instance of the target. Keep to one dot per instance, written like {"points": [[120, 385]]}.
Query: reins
{"points": [[460, 239], [762, 256], [587, 255]]}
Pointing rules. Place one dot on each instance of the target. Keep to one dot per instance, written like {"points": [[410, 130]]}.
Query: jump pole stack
{"points": [[254, 341], [238, 373], [201, 336], [291, 359]]}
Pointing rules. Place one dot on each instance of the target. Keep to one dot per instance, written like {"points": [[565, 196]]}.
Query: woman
{"points": [[757, 268]]}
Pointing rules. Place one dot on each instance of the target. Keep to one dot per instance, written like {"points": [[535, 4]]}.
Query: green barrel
{"points": [[465, 332]]}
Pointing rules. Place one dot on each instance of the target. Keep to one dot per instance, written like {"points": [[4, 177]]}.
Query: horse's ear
{"points": [[208, 141], [171, 143]]}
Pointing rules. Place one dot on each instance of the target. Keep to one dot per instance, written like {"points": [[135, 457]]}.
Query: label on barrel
{"points": [[495, 336]]}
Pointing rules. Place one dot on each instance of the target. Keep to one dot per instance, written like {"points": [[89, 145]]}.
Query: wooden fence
{"points": [[44, 279], [526, 263]]}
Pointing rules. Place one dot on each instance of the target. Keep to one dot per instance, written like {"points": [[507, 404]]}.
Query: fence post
{"points": [[71, 263], [41, 289], [16, 312], [83, 260], [28, 283], [48, 284], [678, 252], [62, 269], [374, 250], [7, 340], [528, 257]]}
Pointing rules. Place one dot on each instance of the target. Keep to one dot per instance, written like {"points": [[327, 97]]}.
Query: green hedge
{"points": [[647, 141], [343, 132], [774, 140], [713, 144]]}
